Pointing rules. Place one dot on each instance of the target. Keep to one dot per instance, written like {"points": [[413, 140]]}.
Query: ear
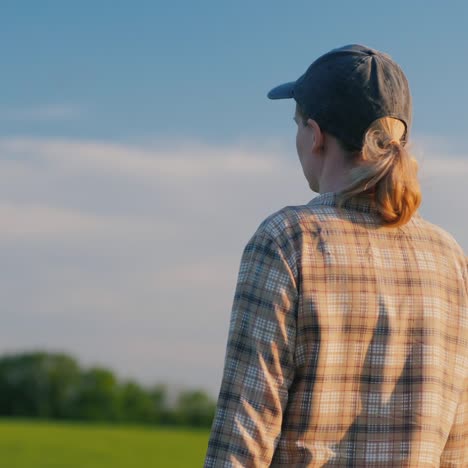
{"points": [[319, 136]]}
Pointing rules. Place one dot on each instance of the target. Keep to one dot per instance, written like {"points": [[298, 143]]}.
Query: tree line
{"points": [[54, 386]]}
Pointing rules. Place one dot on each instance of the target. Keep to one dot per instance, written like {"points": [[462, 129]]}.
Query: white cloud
{"points": [[36, 221], [128, 254], [142, 163]]}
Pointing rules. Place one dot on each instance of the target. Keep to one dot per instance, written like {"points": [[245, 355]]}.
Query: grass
{"points": [[39, 444]]}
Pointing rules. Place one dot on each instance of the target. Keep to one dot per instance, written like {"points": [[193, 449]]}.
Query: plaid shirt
{"points": [[347, 344]]}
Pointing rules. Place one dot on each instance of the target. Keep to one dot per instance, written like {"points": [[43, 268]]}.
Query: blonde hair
{"points": [[385, 168]]}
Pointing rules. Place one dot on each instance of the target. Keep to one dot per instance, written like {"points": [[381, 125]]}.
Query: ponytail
{"points": [[385, 169]]}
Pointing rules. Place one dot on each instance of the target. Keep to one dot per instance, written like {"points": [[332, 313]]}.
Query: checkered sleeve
{"points": [[259, 358], [455, 453]]}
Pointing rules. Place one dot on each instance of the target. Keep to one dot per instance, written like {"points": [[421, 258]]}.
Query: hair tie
{"points": [[393, 141]]}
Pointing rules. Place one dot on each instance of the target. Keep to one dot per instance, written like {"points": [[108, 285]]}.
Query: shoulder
{"points": [[280, 234], [445, 241], [435, 232], [288, 221]]}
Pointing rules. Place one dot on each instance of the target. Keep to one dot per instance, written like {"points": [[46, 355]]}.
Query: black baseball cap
{"points": [[348, 88]]}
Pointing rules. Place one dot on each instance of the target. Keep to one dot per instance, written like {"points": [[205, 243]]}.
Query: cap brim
{"points": [[284, 91]]}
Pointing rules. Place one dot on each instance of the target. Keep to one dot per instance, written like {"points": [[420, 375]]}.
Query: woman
{"points": [[348, 339]]}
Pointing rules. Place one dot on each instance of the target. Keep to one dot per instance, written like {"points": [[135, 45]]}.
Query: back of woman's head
{"points": [[361, 96], [385, 168]]}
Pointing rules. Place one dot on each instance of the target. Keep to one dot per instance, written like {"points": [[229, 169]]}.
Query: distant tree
{"points": [[37, 384], [63, 375], [158, 395], [195, 408], [137, 404], [97, 396]]}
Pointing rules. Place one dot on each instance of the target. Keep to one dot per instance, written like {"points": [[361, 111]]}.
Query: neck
{"points": [[335, 173]]}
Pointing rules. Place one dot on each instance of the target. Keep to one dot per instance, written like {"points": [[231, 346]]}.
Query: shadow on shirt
{"points": [[383, 431]]}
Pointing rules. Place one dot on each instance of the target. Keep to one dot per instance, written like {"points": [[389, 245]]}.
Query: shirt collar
{"points": [[362, 202]]}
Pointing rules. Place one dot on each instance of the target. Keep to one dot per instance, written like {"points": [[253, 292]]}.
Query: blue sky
{"points": [[202, 69], [139, 152]]}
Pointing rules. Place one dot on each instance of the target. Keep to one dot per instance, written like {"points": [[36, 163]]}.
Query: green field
{"points": [[32, 444]]}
